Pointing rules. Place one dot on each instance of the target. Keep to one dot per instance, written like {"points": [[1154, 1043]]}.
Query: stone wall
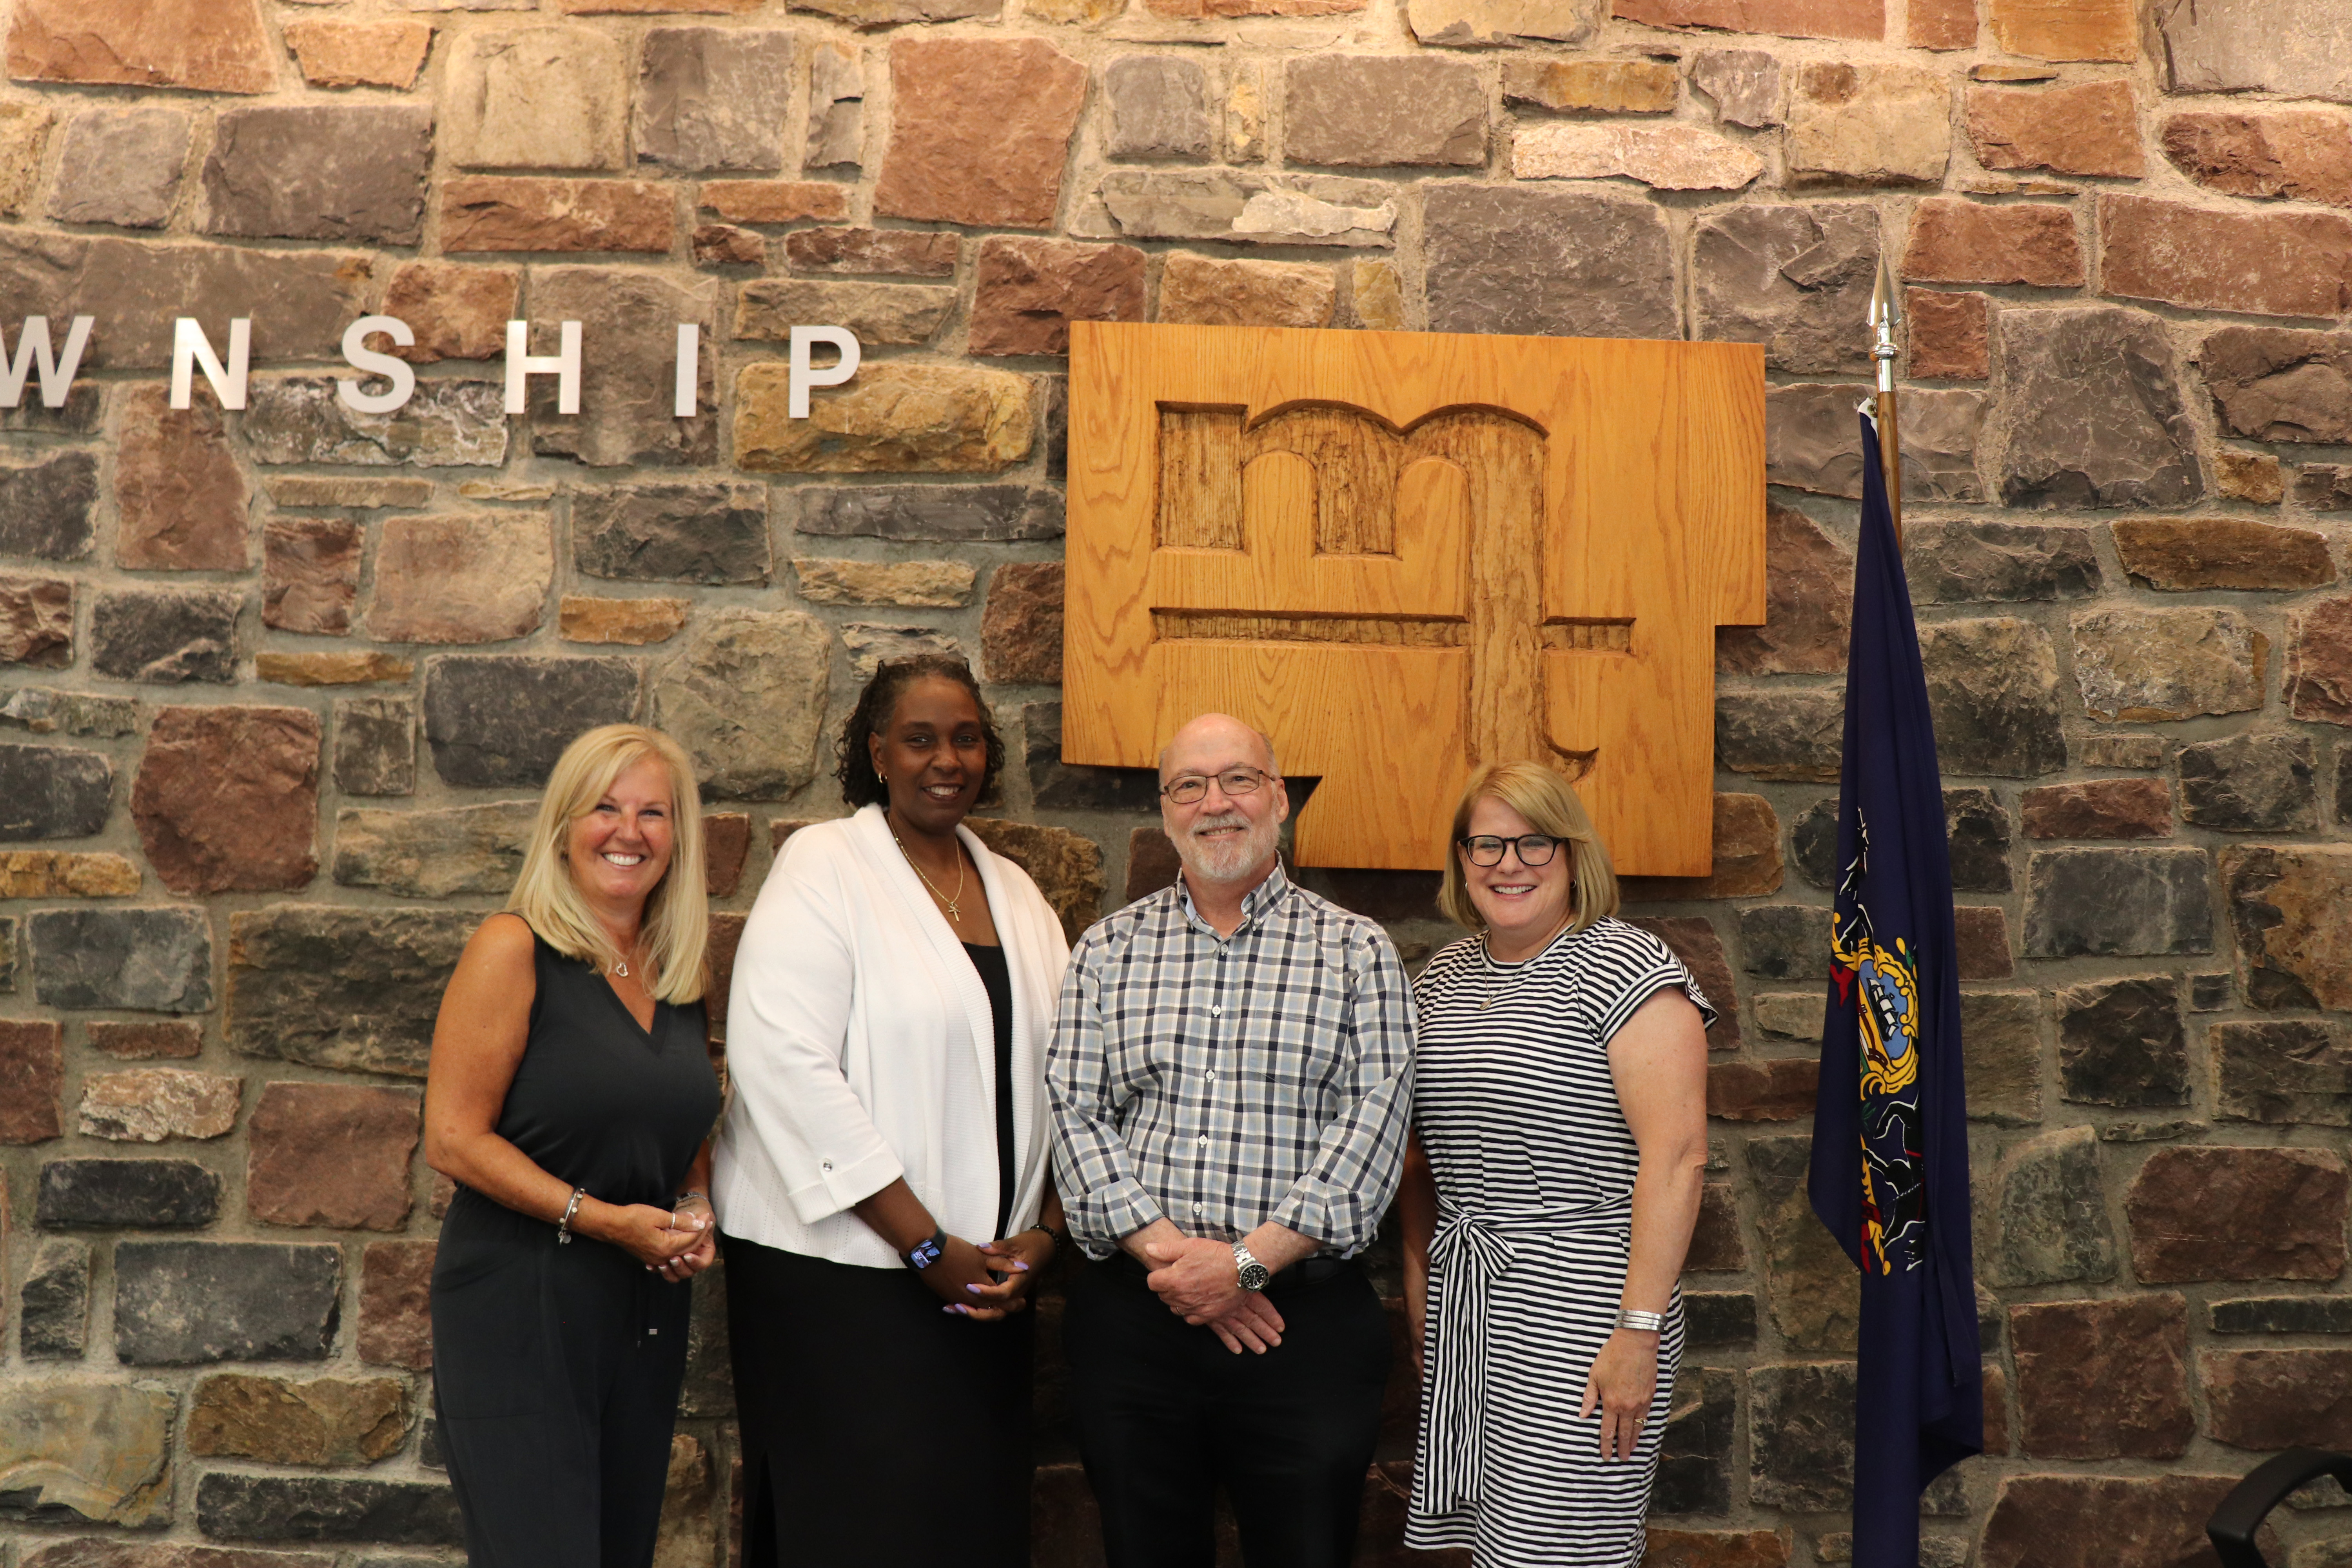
{"points": [[282, 681]]}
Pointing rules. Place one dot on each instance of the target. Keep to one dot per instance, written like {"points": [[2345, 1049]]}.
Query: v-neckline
{"points": [[645, 1031]]}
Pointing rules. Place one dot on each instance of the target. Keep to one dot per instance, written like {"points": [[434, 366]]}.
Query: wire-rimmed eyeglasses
{"points": [[1184, 789], [1534, 848]]}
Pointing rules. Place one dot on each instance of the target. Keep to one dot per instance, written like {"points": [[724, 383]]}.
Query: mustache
{"points": [[1223, 819]]}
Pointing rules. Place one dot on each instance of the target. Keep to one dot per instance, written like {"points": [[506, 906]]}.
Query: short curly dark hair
{"points": [[860, 785]]}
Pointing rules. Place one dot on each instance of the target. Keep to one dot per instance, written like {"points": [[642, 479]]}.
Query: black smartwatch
{"points": [[928, 1252]]}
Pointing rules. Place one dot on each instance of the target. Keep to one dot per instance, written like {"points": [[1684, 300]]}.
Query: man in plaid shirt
{"points": [[1230, 1080]]}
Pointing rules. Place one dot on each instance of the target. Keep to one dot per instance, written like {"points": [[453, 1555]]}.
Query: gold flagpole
{"points": [[1886, 315]]}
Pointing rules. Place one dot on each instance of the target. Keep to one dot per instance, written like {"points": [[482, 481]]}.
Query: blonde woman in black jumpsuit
{"points": [[570, 1097]]}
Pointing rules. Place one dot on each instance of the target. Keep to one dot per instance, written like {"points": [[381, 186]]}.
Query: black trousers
{"points": [[555, 1372], [878, 1431], [1165, 1414]]}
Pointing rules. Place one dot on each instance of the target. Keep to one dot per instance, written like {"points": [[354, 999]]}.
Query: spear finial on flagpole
{"points": [[1886, 315]]}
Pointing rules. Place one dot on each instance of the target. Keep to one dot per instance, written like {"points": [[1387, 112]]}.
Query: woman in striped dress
{"points": [[1559, 1113]]}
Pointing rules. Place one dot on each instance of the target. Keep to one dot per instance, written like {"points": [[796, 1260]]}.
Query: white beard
{"points": [[1228, 859]]}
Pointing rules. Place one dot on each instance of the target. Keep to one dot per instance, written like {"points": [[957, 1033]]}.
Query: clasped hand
{"points": [[1198, 1280], [675, 1243], [992, 1280]]}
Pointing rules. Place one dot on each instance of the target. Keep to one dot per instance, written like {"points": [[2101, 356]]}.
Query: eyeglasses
{"points": [[1535, 848], [1186, 788]]}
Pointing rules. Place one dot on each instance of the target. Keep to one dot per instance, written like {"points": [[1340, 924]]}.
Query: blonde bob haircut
{"points": [[1549, 803], [677, 931]]}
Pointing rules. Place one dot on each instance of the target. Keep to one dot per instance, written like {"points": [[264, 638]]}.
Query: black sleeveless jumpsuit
{"points": [[556, 1368]]}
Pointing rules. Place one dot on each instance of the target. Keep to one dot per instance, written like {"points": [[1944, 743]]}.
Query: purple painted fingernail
{"points": [[1021, 1266]]}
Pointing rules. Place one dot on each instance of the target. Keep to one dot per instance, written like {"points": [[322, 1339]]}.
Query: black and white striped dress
{"points": [[1534, 1168]]}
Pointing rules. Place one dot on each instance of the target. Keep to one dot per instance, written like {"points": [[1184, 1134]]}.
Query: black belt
{"points": [[1124, 1265]]}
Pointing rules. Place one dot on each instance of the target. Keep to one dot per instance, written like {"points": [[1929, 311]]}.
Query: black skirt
{"points": [[878, 1431]]}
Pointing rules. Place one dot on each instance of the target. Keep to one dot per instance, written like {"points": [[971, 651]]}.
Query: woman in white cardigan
{"points": [[882, 1181]]}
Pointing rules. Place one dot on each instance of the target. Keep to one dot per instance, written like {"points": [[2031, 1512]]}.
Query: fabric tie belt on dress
{"points": [[1471, 1250]]}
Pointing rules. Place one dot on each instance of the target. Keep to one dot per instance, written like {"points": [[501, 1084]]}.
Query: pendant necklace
{"points": [[1519, 970], [954, 913]]}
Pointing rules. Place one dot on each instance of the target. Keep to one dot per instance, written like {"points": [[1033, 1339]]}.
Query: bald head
{"points": [[1213, 743]]}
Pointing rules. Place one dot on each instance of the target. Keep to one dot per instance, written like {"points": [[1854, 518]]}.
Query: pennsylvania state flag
{"points": [[1890, 1160]]}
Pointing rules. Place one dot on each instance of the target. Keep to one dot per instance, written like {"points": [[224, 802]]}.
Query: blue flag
{"points": [[1890, 1160]]}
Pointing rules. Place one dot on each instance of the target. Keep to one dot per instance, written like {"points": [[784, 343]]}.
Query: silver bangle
{"points": [[1647, 1323], [564, 1225]]}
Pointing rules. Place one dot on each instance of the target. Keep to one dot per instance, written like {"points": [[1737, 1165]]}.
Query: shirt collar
{"points": [[1260, 900]]}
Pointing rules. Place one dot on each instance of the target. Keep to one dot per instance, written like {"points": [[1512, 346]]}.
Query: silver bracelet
{"points": [[564, 1225], [1647, 1323]]}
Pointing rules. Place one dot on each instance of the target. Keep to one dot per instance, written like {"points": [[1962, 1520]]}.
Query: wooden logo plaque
{"points": [[1405, 553]]}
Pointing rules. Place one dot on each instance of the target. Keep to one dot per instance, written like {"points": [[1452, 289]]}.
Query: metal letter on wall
{"points": [[1403, 554]]}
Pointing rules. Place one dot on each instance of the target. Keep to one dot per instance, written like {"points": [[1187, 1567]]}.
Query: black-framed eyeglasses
{"points": [[1186, 788], [1535, 848]]}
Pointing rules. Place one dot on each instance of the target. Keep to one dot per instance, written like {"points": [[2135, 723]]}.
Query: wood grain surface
{"points": [[1403, 554]]}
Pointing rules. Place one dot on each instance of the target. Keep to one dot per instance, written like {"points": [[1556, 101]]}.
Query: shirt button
{"points": [[1204, 1139], [825, 1165], [1218, 1011], [1212, 1078], [1196, 1208]]}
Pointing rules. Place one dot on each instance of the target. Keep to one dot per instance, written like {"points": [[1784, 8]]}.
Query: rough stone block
{"points": [[208, 45], [2287, 903], [1021, 627], [471, 578], [1028, 291], [2186, 554], [2319, 662], [500, 720], [1983, 940], [836, 107], [2099, 808], [746, 698], [2119, 903], [165, 635], [138, 960], [46, 508], [2270, 45], [1507, 260], [2049, 1219], [979, 130], [1384, 110], [769, 308], [1747, 857], [360, 54], [311, 573], [713, 98], [1695, 1452], [893, 418], [2159, 665], [2089, 127], [1808, 605], [24, 141], [2104, 1380], [1592, 86], [1067, 868], [552, 96], [122, 166], [2251, 784], [888, 252], [456, 310], [2281, 1072], [53, 792], [2277, 1398], [1159, 108], [331, 1154], [2084, 1521], [1779, 1090], [283, 1421], [375, 745], [2249, 477], [1800, 1425], [2324, 487], [65, 873], [723, 245], [53, 1318], [2000, 1036], [226, 798], [2121, 1043], [1992, 687], [2097, 414], [352, 990], [147, 1105], [1792, 277], [1785, 942], [86, 1452], [354, 173], [142, 1195], [1487, 24], [2306, 155], [1744, 83], [1717, 1247], [1955, 562], [1958, 241], [447, 424], [1950, 335], [1242, 208], [232, 1507], [709, 533], [32, 1075], [1377, 291], [975, 514], [932, 584], [872, 645], [1791, 18], [2237, 1213], [2276, 263], [1719, 1318], [498, 213], [1786, 735], [396, 1304], [300, 301], [1868, 124], [314, 490], [2284, 1315], [631, 622], [1195, 289], [1664, 157], [627, 415], [37, 620]]}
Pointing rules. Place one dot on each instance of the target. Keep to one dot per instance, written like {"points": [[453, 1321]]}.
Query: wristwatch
{"points": [[1250, 1274], [928, 1252]]}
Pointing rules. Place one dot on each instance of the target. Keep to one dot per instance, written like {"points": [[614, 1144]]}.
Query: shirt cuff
{"points": [[1113, 1213], [843, 1186]]}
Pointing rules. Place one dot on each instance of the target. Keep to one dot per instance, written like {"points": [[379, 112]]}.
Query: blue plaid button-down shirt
{"points": [[1223, 1082]]}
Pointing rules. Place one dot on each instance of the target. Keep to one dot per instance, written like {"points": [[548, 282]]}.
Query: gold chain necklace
{"points": [[954, 913]]}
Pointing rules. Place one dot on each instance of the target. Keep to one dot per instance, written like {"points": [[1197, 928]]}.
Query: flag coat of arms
{"points": [[1890, 1157]]}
